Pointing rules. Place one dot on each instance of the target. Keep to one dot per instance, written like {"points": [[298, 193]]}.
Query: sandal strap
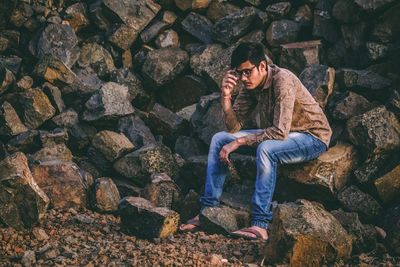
{"points": [[193, 222]]}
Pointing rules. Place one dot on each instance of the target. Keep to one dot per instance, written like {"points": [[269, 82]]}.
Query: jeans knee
{"points": [[264, 151], [220, 138]]}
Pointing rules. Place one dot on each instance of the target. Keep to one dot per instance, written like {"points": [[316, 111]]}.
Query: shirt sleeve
{"points": [[282, 118], [241, 109]]}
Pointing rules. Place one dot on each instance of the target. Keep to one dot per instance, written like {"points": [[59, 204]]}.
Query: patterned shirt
{"points": [[281, 106]]}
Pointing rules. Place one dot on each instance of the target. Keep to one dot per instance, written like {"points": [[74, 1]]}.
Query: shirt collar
{"points": [[270, 74]]}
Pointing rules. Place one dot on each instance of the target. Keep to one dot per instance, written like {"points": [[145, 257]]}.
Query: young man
{"points": [[283, 122]]}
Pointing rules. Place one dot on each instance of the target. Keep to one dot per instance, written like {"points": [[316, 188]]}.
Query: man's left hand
{"points": [[227, 149]]}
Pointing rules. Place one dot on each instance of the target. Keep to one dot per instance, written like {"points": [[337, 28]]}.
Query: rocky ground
{"points": [[84, 238]]}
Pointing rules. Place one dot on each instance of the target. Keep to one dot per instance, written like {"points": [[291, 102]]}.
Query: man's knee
{"points": [[220, 137], [266, 149]]}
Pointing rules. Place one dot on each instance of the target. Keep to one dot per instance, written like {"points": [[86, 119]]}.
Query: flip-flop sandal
{"points": [[257, 234], [195, 223]]}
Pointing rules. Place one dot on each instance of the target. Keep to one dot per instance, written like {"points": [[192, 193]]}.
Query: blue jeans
{"points": [[298, 147]]}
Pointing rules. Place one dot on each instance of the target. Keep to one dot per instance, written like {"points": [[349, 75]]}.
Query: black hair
{"points": [[254, 52]]}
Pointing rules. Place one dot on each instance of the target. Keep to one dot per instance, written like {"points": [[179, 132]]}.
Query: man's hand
{"points": [[227, 149], [228, 82]]}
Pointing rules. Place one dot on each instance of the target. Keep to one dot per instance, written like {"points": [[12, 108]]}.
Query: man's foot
{"points": [[191, 225], [253, 232]]}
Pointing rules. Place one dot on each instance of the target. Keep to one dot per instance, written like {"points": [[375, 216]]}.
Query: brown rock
{"points": [[76, 16], [388, 186], [55, 71], [217, 10], [105, 195], [162, 191], [53, 152], [352, 105], [168, 38], [98, 58], [6, 79], [186, 5], [111, 144], [10, 123]]}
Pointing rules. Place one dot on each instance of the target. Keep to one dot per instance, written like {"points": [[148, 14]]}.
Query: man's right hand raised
{"points": [[228, 83]]}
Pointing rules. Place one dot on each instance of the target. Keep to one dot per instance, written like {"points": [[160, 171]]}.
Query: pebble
{"points": [[29, 258], [39, 234]]}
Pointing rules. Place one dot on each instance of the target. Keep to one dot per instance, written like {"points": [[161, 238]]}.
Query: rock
{"points": [[53, 152], [168, 38], [20, 14], [26, 142], [136, 131], [81, 135], [208, 118], [354, 35], [364, 236], [371, 5], [352, 105], [164, 122], [25, 83], [63, 182], [142, 219], [392, 227], [187, 112], [157, 27], [162, 191], [186, 147], [99, 161], [199, 26], [23, 202], [190, 206], [319, 80], [66, 119], [388, 186], [36, 108], [193, 174], [217, 10], [303, 233], [110, 102], [355, 200], [55, 71], [282, 32], [327, 174], [387, 27], [112, 145], [98, 58], [376, 131], [223, 220], [324, 25], [376, 51], [10, 123], [12, 63], [140, 164], [186, 5], [233, 26], [279, 10], [39, 234], [182, 92], [394, 103], [87, 83], [105, 195], [29, 258], [245, 165], [58, 40], [303, 16], [76, 16], [346, 11], [297, 56], [54, 95], [6, 79], [164, 65], [238, 196]]}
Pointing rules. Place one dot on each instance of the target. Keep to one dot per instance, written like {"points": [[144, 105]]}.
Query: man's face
{"points": [[251, 75]]}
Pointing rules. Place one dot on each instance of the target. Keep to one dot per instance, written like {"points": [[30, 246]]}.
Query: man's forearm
{"points": [[230, 118]]}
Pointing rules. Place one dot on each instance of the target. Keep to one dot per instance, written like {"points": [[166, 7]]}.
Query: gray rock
{"points": [[376, 131], [10, 123], [23, 202], [217, 10], [193, 174], [98, 58], [355, 200], [110, 102], [324, 24], [168, 38], [387, 28], [352, 105], [346, 11], [199, 26], [164, 65], [140, 218], [12, 63], [77, 16], [54, 95], [81, 135], [29, 258], [282, 32], [319, 81], [223, 220], [233, 26], [105, 195], [26, 142], [279, 10], [373, 5], [388, 186], [186, 147], [9, 39], [136, 131], [305, 228], [66, 119], [158, 26], [392, 227], [112, 145], [162, 191], [187, 112], [297, 56], [354, 35]]}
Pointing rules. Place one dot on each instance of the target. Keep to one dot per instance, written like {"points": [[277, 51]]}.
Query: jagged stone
{"points": [[186, 147], [98, 58], [352, 105], [190, 206], [24, 83], [6, 79], [157, 27], [282, 32], [55, 71], [193, 174], [56, 136], [387, 28], [164, 65], [23, 202], [136, 130], [303, 15], [81, 135], [168, 38], [58, 40], [376, 131], [297, 56], [54, 95], [12, 63], [64, 182], [303, 233], [140, 164], [279, 10], [319, 80], [110, 102], [373, 5], [20, 14], [162, 191], [10, 123], [354, 35], [187, 112], [217, 10], [223, 220], [140, 218], [376, 51], [324, 24], [105, 195], [364, 236], [54, 152], [355, 200], [111, 144], [26, 142], [66, 119], [388, 186], [346, 11], [186, 5], [233, 26], [182, 92], [391, 224], [238, 196], [9, 39], [199, 26], [99, 161], [77, 16]]}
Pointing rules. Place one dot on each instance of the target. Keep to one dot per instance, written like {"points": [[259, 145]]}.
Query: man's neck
{"points": [[263, 81]]}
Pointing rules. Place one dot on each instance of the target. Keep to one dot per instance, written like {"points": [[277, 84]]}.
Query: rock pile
{"points": [[111, 105]]}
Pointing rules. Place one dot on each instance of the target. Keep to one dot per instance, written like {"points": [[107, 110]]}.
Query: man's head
{"points": [[248, 61]]}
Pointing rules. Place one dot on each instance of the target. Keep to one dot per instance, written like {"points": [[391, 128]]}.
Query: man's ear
{"points": [[263, 65]]}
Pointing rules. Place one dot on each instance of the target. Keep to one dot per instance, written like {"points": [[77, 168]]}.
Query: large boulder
{"points": [[98, 58], [10, 123], [55, 71], [351, 105], [304, 234], [388, 186], [22, 201], [198, 26], [282, 32], [111, 144], [162, 191], [105, 195], [324, 24], [136, 130]]}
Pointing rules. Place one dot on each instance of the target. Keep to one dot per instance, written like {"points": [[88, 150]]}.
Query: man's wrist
{"points": [[228, 96], [241, 141]]}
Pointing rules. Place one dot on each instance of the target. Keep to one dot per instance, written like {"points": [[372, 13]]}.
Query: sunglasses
{"points": [[245, 72]]}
